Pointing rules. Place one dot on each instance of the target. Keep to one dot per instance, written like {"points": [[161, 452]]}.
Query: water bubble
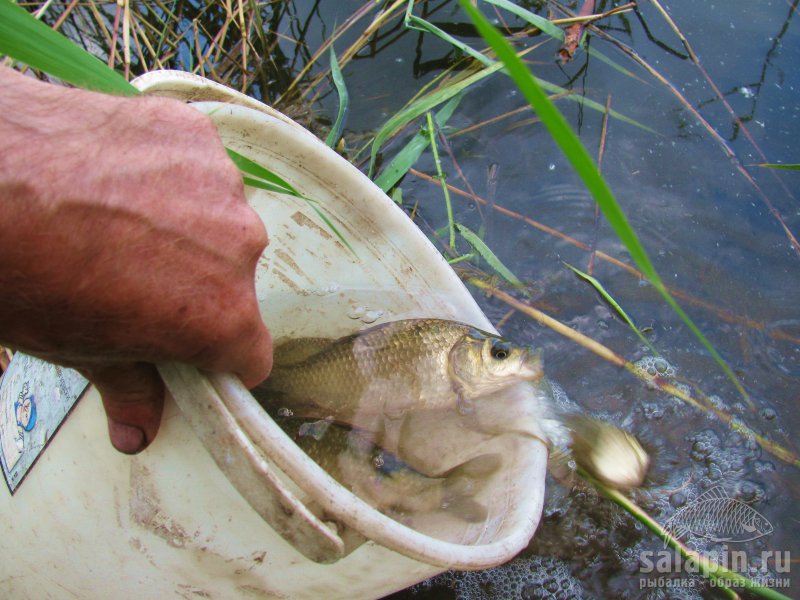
{"points": [[654, 366], [326, 289], [371, 316], [357, 312], [677, 499], [768, 414], [365, 314]]}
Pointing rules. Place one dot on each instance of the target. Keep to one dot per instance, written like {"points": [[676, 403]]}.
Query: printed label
{"points": [[35, 398]]}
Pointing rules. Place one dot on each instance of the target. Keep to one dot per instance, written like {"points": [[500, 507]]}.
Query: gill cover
{"points": [[480, 363]]}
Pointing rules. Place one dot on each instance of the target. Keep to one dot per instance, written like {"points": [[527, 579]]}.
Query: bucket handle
{"points": [[248, 469]]}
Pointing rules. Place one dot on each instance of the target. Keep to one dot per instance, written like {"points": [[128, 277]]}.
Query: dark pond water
{"points": [[714, 224], [710, 231]]}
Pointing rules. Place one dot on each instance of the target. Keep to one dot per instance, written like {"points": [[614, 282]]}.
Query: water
{"points": [[712, 234]]}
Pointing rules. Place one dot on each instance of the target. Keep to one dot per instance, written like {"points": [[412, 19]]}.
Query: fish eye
{"points": [[500, 351]]}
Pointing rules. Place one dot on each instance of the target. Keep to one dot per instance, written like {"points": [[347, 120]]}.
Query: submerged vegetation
{"points": [[283, 52]]}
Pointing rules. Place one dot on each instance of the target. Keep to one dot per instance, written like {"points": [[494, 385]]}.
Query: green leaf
{"points": [[28, 40], [614, 304], [442, 180], [412, 21], [409, 155], [490, 257], [254, 169], [554, 31], [344, 101], [584, 165], [778, 166], [423, 105], [266, 185]]}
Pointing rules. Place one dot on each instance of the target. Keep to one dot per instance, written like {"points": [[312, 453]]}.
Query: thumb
{"points": [[133, 397]]}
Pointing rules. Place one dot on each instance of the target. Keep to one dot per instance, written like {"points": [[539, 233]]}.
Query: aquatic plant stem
{"points": [[450, 222], [709, 568], [657, 382]]}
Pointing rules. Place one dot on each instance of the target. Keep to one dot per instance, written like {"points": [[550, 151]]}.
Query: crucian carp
{"points": [[378, 375]]}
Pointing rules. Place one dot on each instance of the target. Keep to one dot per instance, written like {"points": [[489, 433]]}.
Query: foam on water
{"points": [[531, 578]]}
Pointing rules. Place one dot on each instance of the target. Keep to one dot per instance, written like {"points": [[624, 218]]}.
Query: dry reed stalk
{"points": [[609, 355], [344, 59]]}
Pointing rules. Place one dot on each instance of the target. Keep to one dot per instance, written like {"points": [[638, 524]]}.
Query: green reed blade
{"points": [[554, 31], [271, 187], [28, 40], [440, 175], [412, 21], [490, 257], [330, 224], [314, 204], [586, 168], [613, 303], [410, 153], [253, 168], [344, 101], [423, 105], [778, 166]]}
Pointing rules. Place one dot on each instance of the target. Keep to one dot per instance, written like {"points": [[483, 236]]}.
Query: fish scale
{"points": [[390, 363], [386, 370]]}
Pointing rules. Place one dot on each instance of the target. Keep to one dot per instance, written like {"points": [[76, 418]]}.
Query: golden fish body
{"points": [[387, 370]]}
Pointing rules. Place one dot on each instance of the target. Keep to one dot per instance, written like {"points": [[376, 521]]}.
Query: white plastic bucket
{"points": [[223, 504]]}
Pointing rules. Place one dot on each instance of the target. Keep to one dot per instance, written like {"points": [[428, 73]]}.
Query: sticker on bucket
{"points": [[35, 397]]}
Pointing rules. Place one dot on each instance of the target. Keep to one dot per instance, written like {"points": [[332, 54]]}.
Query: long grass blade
{"points": [[778, 166], [414, 22], [423, 105], [613, 303], [584, 165], [554, 31], [313, 204], [490, 257], [450, 222], [251, 167], [344, 101], [410, 153], [28, 40]]}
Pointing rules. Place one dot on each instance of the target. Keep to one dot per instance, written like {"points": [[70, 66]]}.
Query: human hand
{"points": [[126, 240]]}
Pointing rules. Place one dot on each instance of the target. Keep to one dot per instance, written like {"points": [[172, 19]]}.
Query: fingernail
{"points": [[126, 438]]}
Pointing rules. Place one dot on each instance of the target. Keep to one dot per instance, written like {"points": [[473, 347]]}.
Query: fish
{"points": [[373, 378], [385, 481], [429, 390], [608, 453], [718, 517]]}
